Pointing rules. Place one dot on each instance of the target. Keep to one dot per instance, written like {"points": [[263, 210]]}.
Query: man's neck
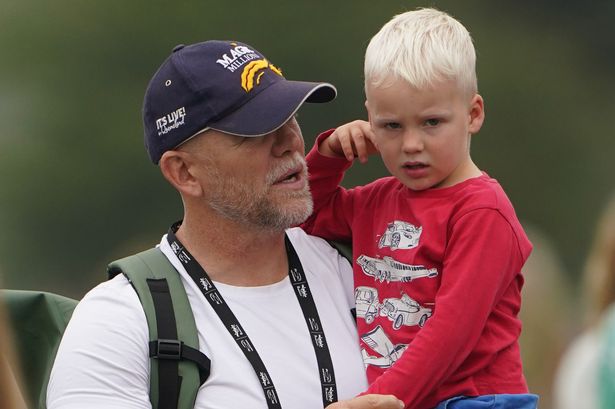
{"points": [[235, 254]]}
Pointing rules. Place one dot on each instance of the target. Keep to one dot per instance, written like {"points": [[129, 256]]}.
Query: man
{"points": [[219, 121]]}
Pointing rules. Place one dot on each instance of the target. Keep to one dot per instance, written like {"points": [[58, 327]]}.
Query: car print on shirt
{"points": [[400, 235], [404, 311], [367, 303], [378, 341], [388, 269]]}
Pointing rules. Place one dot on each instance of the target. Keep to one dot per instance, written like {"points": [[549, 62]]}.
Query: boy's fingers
{"points": [[360, 147], [368, 138], [370, 135], [346, 144], [353, 139]]}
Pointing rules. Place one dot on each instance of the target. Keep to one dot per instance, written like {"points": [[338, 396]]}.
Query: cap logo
{"points": [[239, 55], [256, 69], [171, 121]]}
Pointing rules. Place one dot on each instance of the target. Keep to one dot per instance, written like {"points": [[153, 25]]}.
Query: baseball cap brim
{"points": [[273, 107]]}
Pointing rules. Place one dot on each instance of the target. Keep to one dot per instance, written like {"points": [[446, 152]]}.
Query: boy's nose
{"points": [[412, 141]]}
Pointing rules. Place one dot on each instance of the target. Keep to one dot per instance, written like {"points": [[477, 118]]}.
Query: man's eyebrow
{"points": [[240, 140]]}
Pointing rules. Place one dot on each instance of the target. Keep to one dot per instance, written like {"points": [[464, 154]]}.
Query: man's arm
{"points": [[102, 361]]}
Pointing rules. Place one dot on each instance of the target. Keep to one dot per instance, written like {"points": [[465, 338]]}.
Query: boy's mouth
{"points": [[415, 170], [414, 165]]}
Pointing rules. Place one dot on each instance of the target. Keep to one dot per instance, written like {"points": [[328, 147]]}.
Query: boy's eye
{"points": [[432, 122], [392, 125]]}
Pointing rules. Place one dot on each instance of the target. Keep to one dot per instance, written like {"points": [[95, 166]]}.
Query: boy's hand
{"points": [[354, 139], [369, 402]]}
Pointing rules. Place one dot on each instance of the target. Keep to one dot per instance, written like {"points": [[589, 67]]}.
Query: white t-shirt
{"points": [[103, 362]]}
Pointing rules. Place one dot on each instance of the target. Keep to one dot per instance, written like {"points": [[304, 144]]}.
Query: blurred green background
{"points": [[77, 189]]}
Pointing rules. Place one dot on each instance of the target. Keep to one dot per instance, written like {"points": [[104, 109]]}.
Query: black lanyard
{"points": [[304, 296]]}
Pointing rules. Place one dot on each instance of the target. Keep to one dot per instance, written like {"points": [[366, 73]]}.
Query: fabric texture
{"points": [[37, 320], [438, 280], [501, 401], [223, 85], [103, 359]]}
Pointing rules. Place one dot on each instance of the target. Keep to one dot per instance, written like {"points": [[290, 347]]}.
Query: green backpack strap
{"points": [[178, 368], [37, 320]]}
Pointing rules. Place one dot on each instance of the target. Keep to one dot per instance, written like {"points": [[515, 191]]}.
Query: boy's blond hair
{"points": [[422, 47]]}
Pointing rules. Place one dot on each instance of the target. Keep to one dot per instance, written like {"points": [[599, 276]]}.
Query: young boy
{"points": [[438, 248]]}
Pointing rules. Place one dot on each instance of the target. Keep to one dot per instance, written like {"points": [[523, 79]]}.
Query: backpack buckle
{"points": [[166, 349]]}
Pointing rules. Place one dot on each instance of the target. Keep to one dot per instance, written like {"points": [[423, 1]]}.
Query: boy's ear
{"points": [[177, 169], [367, 109], [477, 114]]}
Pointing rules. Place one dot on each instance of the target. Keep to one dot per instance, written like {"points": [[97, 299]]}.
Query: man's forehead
{"points": [[213, 138]]}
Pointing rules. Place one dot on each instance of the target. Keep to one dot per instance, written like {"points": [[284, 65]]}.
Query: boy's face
{"points": [[424, 135]]}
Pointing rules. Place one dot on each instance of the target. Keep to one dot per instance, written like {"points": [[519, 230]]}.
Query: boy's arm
{"points": [[483, 260], [327, 161]]}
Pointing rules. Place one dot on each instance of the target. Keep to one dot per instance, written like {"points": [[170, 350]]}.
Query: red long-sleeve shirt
{"points": [[437, 281]]}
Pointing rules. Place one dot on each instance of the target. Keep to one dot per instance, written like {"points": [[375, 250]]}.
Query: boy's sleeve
{"points": [[482, 261], [333, 205]]}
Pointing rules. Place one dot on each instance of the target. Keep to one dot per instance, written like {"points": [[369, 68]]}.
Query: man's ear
{"points": [[177, 168], [477, 114]]}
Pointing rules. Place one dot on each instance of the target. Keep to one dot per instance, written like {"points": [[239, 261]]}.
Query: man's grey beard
{"points": [[242, 204], [261, 213]]}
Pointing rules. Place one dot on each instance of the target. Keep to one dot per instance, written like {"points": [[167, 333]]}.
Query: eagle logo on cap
{"points": [[254, 71]]}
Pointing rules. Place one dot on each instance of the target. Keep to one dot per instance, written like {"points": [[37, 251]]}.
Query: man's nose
{"points": [[288, 138]]}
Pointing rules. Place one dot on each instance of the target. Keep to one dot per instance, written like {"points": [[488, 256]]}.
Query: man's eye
{"points": [[432, 122], [392, 125]]}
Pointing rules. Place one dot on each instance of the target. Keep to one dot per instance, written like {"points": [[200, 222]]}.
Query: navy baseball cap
{"points": [[223, 85]]}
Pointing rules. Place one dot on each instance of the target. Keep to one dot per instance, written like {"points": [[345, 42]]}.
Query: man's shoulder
{"points": [[306, 242], [312, 248], [329, 272], [116, 292]]}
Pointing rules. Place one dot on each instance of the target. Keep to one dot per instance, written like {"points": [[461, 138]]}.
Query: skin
{"points": [[256, 182], [227, 183], [422, 135]]}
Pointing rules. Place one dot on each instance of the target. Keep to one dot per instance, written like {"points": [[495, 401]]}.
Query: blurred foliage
{"points": [[550, 315], [79, 191]]}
